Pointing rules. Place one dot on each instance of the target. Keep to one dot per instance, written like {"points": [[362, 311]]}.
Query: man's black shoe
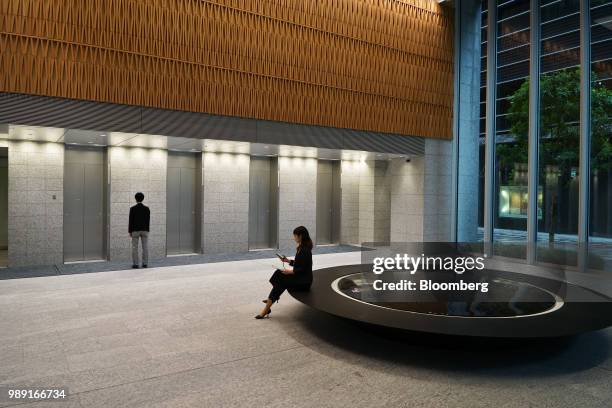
{"points": [[134, 266], [144, 265]]}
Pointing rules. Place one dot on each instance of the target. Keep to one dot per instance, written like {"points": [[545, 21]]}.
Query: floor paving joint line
{"points": [[188, 370]]}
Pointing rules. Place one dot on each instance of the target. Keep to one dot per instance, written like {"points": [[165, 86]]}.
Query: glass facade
{"points": [[557, 221], [600, 217], [559, 144], [510, 193]]}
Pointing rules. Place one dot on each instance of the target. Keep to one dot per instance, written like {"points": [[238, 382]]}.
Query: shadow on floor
{"points": [[107, 266], [536, 358]]}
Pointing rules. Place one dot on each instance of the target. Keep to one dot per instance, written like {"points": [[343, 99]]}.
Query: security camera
{"points": [[408, 159]]}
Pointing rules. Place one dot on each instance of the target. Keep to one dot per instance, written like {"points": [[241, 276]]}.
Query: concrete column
{"points": [[225, 191], [421, 195], [437, 200], [297, 198], [366, 202], [374, 202], [407, 200], [35, 203], [134, 169], [382, 201], [468, 117]]}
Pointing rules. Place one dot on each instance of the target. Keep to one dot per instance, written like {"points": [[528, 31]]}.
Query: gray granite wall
{"points": [[297, 199], [134, 169], [35, 203], [421, 195], [225, 190], [437, 191], [374, 201], [349, 218], [407, 200], [382, 201], [366, 202]]}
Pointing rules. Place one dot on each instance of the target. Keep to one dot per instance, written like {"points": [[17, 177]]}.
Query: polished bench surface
{"points": [[549, 308]]}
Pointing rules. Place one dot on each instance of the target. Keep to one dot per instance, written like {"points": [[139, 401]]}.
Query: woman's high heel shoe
{"points": [[264, 316]]}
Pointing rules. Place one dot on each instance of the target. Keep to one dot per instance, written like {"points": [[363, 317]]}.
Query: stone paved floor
{"points": [[184, 336]]}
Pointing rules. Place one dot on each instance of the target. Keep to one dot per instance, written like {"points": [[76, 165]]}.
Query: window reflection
{"points": [[600, 222], [559, 121], [510, 226]]}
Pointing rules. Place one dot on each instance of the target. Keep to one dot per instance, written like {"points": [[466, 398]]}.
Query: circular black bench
{"points": [[516, 306]]}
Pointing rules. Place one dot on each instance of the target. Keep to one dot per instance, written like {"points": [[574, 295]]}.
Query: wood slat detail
{"points": [[378, 65]]}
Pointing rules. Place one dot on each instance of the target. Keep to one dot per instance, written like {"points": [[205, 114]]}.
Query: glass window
{"points": [[559, 144], [559, 122], [510, 200], [600, 223]]}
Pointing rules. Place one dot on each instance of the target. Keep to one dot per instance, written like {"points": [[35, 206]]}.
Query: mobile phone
{"points": [[280, 256]]}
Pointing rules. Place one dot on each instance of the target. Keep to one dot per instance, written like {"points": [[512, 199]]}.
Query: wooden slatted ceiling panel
{"points": [[379, 65]]}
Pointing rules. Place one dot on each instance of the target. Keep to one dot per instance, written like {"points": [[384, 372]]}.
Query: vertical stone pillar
{"points": [[297, 198], [225, 209], [437, 189], [134, 169], [35, 203], [349, 219], [407, 199]]}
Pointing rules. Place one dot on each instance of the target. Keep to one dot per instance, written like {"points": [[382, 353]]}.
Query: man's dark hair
{"points": [[139, 197]]}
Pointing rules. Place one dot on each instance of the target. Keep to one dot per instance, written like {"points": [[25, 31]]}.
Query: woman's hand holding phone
{"points": [[283, 258]]}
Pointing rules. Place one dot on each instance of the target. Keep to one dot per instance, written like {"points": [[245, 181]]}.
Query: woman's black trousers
{"points": [[281, 282]]}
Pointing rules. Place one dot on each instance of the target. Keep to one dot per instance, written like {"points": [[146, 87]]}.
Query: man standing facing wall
{"points": [[140, 216]]}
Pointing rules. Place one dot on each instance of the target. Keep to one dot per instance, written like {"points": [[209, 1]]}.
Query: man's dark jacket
{"points": [[139, 218]]}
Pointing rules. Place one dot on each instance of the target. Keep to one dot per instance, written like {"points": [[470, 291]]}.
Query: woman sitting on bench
{"points": [[297, 278]]}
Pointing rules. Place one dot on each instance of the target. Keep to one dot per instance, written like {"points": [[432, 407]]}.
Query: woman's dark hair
{"points": [[305, 241], [139, 197]]}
